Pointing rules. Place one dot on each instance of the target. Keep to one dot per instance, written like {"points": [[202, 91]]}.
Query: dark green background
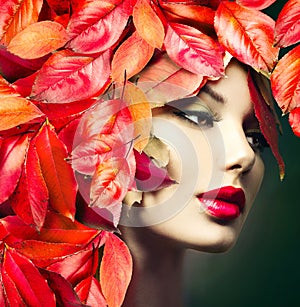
{"points": [[263, 269]]}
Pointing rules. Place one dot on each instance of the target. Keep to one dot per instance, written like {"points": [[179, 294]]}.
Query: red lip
{"points": [[225, 203]]}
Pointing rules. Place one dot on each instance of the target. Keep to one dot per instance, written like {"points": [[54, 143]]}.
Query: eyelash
{"points": [[205, 119], [258, 141], [198, 118]]}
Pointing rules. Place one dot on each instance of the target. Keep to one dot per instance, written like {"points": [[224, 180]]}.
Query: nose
{"points": [[239, 155]]}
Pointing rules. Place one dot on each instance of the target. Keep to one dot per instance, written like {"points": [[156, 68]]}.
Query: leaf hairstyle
{"points": [[75, 127]]}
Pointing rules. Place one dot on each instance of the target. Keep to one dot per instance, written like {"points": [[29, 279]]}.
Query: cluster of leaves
{"points": [[68, 157]]}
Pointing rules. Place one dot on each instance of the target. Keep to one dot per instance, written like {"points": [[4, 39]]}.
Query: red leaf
{"points": [[193, 50], [148, 176], [294, 120], [131, 57], [60, 7], [148, 24], [16, 15], [287, 29], [30, 199], [24, 85], [256, 4], [267, 123], [249, 42], [285, 81], [67, 77], [163, 81], [115, 270], [90, 27], [63, 290], [57, 173], [12, 157], [27, 280], [78, 266], [38, 39], [89, 292]]}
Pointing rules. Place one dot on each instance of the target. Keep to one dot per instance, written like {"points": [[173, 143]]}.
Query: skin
{"points": [[226, 156]]}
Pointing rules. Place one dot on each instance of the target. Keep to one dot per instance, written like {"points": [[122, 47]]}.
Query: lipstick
{"points": [[225, 203]]}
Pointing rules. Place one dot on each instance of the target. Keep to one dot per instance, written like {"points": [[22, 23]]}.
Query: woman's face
{"points": [[217, 181]]}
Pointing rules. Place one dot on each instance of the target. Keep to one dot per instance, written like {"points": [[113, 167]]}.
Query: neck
{"points": [[157, 270]]}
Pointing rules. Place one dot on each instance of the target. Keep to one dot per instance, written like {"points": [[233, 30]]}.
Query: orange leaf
{"points": [[141, 114], [285, 81], [148, 24], [6, 90], [287, 29], [16, 15], [131, 57], [249, 42], [15, 111], [115, 270], [58, 174], [38, 39]]}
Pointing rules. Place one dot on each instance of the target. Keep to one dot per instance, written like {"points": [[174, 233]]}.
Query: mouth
{"points": [[226, 203]]}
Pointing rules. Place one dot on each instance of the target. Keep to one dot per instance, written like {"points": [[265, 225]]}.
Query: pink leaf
{"points": [[115, 270], [67, 77], [193, 50], [89, 292], [287, 29], [90, 27], [148, 176]]}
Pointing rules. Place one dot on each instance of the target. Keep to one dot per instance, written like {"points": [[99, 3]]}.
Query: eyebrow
{"points": [[213, 94]]}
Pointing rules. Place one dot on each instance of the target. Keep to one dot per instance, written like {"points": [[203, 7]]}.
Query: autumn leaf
{"points": [[115, 270], [12, 156], [58, 174], [38, 40], [64, 293], [256, 4], [13, 67], [287, 29], [30, 199], [131, 57], [16, 15], [285, 81], [20, 273], [267, 123], [294, 120], [89, 292], [67, 77], [194, 50], [140, 110], [163, 81], [249, 42], [148, 24], [90, 27]]}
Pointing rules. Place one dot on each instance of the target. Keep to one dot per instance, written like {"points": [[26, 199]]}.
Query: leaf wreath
{"points": [[69, 154]]}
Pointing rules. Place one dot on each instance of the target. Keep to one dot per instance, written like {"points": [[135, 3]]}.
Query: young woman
{"points": [[225, 136], [169, 162]]}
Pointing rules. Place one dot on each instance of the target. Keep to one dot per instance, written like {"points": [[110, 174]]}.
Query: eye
{"points": [[198, 118], [256, 140]]}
